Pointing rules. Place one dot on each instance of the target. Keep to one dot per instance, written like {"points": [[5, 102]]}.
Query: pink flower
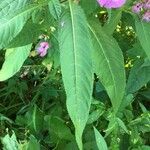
{"points": [[111, 3], [146, 16], [137, 7], [42, 49], [147, 4]]}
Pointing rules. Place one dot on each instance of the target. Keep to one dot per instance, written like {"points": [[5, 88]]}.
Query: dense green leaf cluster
{"points": [[92, 89]]}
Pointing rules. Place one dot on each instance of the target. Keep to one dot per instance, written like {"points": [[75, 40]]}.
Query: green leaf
{"points": [[146, 94], [33, 144], [4, 118], [58, 127], [34, 119], [112, 124], [136, 51], [143, 33], [143, 108], [95, 115], [55, 8], [29, 34], [9, 26], [113, 21], [139, 75], [127, 100], [9, 6], [100, 141], [122, 125], [108, 64], [10, 142], [89, 6], [14, 59], [76, 66]]}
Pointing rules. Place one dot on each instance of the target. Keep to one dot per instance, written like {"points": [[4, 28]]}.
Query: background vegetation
{"points": [[92, 89]]}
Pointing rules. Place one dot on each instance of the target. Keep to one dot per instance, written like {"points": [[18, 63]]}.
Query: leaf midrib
{"points": [[74, 49]]}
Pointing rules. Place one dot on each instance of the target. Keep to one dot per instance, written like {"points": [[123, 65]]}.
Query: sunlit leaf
{"points": [[14, 59], [100, 141]]}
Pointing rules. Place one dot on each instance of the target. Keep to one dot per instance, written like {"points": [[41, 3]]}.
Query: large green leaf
{"points": [[108, 64], [100, 141], [9, 6], [143, 33], [14, 58], [76, 66], [13, 23]]}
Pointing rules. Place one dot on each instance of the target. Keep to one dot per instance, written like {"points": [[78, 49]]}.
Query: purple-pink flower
{"points": [[137, 7], [111, 3], [42, 49], [147, 4], [146, 16], [142, 8]]}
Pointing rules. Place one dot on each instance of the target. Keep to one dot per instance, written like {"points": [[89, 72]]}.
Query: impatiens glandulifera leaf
{"points": [[143, 33], [58, 128], [113, 21], [9, 26], [108, 64], [89, 6], [55, 8], [14, 58], [139, 75], [34, 119], [29, 34], [10, 6], [100, 141], [76, 66]]}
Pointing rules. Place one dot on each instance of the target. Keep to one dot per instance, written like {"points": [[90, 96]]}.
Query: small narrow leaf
{"points": [[14, 58], [76, 66], [34, 119], [122, 125], [100, 141]]}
